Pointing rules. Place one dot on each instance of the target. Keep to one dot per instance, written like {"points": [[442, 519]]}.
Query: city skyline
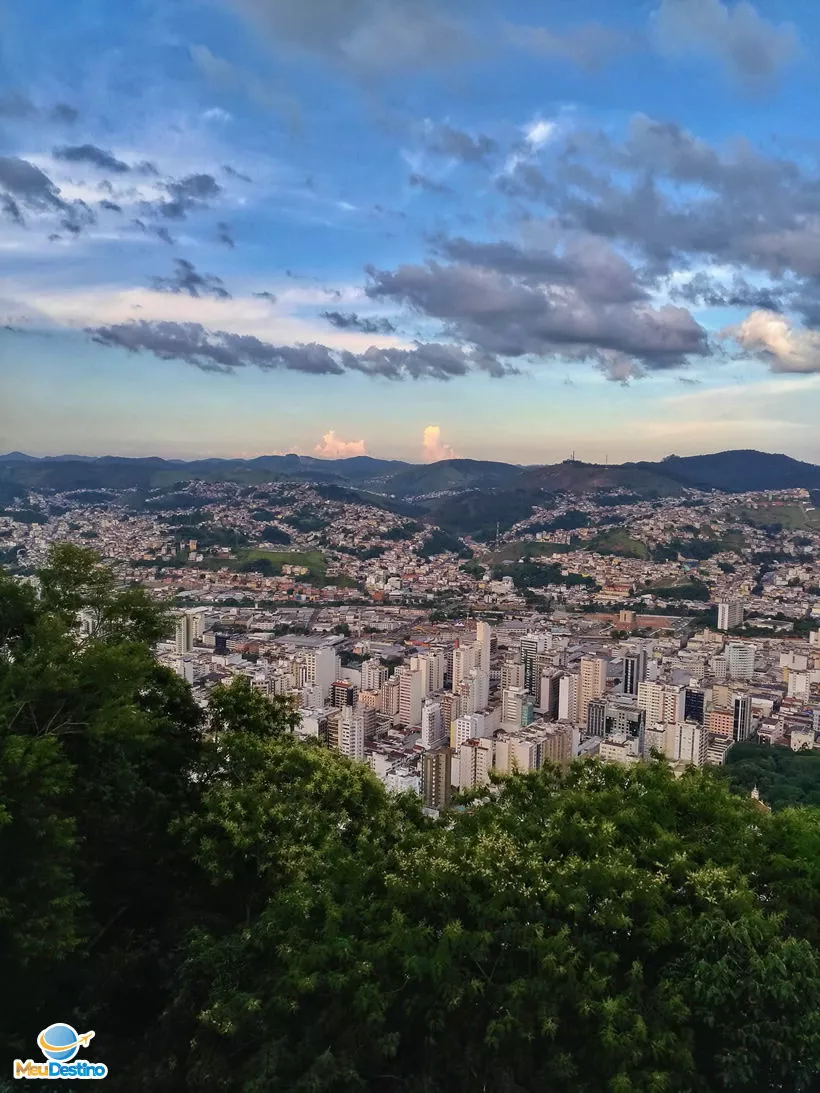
{"points": [[499, 230]]}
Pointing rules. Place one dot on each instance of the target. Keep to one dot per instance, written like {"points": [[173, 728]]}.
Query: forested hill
{"points": [[731, 471], [238, 911]]}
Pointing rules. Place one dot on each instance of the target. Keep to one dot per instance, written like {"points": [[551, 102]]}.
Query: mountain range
{"points": [[462, 495]]}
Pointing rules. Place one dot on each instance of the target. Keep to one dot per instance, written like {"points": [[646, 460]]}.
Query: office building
{"points": [[693, 705], [596, 717], [437, 778], [516, 706], [591, 683], [741, 718], [322, 668], [531, 646], [568, 698], [720, 722], [634, 672], [730, 615]]}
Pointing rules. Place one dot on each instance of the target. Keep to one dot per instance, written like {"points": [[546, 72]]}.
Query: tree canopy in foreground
{"points": [[236, 910]]}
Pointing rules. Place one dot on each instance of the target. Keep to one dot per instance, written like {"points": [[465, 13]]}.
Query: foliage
{"points": [[528, 574], [237, 910], [784, 777], [692, 590], [273, 534], [439, 542]]}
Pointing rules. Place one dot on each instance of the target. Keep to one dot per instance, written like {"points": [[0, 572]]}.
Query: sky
{"points": [[412, 229]]}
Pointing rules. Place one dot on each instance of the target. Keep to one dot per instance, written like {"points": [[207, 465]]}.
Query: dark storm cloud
{"points": [[444, 140], [233, 173], [754, 50], [93, 155], [363, 37], [269, 296], [186, 194], [705, 291], [590, 47], [64, 114], [503, 316], [28, 184], [422, 182], [221, 351], [351, 321], [110, 206], [186, 279], [11, 210]]}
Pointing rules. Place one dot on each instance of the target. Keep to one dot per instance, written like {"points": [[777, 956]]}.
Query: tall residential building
{"points": [[323, 667], [692, 743], [720, 722], [568, 698], [437, 778], [741, 718], [351, 733], [730, 615], [433, 734], [411, 694], [596, 717], [591, 684], [184, 634], [518, 752], [389, 696], [475, 760], [422, 664], [374, 674], [512, 674], [450, 709], [516, 706], [483, 641], [463, 663], [436, 670], [663, 702], [549, 683], [470, 726], [740, 660], [559, 745], [634, 671]]}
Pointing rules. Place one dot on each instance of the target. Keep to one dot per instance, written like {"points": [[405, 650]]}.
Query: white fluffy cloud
{"points": [[773, 338], [433, 448], [333, 447]]}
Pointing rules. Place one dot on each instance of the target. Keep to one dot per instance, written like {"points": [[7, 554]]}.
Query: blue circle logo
{"points": [[60, 1042]]}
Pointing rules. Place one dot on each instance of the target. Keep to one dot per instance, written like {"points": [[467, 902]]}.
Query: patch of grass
{"points": [[792, 517], [617, 541], [313, 559], [512, 552]]}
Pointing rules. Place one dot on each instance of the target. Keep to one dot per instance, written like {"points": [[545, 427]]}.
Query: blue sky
{"points": [[413, 229]]}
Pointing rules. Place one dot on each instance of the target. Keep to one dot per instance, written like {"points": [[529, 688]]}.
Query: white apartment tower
{"points": [[730, 615]]}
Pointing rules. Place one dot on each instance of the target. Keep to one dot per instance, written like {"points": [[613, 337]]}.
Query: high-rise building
{"points": [[389, 695], [740, 660], [463, 663], [546, 696], [512, 674], [692, 743], [433, 734], [531, 646], [421, 664], [450, 710], [720, 722], [568, 698], [342, 693], [322, 668], [693, 704], [516, 706], [483, 641], [470, 726], [741, 717], [437, 778], [596, 717], [663, 702], [351, 733], [634, 671], [411, 694], [591, 684], [184, 634], [730, 615], [436, 670], [374, 674], [475, 760]]}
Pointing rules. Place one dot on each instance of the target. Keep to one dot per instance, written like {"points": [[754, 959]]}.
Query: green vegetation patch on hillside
{"points": [[314, 560], [784, 777], [617, 541], [790, 517], [527, 548]]}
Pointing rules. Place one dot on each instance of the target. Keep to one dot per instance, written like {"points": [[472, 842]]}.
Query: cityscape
{"points": [[604, 625]]}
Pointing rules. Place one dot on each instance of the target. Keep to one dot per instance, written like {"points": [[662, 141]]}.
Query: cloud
{"points": [[224, 234], [432, 448], [423, 182], [228, 76], [444, 140], [64, 114], [754, 50], [352, 321], [16, 107], [25, 186], [591, 47], [186, 194], [11, 210], [333, 447], [774, 339], [539, 132], [362, 37], [224, 351], [186, 279], [91, 154]]}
